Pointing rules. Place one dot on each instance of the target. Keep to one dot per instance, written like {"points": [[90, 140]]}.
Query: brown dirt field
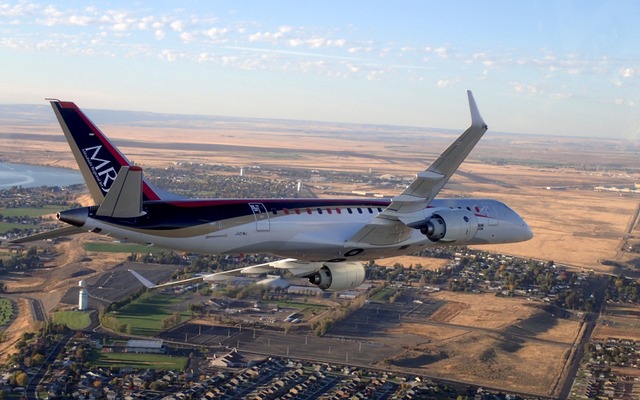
{"points": [[618, 321]]}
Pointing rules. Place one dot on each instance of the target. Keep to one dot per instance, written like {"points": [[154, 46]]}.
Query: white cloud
{"points": [[159, 34], [215, 33], [80, 20], [169, 55], [441, 52], [187, 37], [529, 89], [375, 75], [177, 25], [120, 27], [627, 72], [16, 10], [295, 42]]}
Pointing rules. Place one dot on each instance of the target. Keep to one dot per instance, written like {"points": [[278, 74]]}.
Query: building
{"points": [[145, 346]]}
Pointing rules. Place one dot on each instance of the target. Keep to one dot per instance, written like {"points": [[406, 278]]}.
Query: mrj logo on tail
{"points": [[101, 169]]}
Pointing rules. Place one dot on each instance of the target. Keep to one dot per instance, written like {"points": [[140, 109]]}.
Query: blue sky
{"points": [[544, 67]]}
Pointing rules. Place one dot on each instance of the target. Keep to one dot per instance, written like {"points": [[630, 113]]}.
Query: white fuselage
{"points": [[307, 234]]}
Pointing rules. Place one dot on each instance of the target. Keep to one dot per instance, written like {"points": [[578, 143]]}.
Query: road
{"points": [[37, 378]]}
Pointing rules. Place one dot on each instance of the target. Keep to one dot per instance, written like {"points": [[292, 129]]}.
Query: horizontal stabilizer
{"points": [[66, 231], [124, 198]]}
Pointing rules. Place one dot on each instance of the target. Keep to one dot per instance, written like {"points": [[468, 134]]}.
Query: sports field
{"points": [[139, 361], [73, 319], [145, 315]]}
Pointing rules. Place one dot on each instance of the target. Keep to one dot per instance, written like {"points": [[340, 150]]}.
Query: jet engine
{"points": [[339, 276], [450, 225]]}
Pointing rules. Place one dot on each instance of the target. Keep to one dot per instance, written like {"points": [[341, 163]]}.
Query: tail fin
{"points": [[99, 160]]}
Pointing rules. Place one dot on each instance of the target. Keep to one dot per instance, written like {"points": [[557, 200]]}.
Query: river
{"points": [[34, 176]]}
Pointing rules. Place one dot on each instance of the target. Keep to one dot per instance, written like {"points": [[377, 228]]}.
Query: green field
{"points": [[113, 247], [6, 311], [31, 212], [7, 226], [73, 319], [139, 361], [145, 314], [383, 295]]}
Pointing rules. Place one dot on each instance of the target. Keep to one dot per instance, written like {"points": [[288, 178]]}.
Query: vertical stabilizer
{"points": [[98, 159]]}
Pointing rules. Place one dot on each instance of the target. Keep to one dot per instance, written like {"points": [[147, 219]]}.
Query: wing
{"points": [[388, 227], [65, 231], [295, 267]]}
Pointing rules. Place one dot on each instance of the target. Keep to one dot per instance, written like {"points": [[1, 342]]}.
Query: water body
{"points": [[33, 176]]}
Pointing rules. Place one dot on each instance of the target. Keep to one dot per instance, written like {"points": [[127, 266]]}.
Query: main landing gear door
{"points": [[262, 217]]}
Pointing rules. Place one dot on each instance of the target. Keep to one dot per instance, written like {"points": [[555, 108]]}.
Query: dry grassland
{"points": [[575, 226], [491, 341]]}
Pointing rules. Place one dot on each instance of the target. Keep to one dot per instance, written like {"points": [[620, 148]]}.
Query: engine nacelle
{"points": [[450, 225], [339, 276]]}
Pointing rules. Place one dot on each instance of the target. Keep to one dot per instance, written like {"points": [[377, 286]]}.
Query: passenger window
{"points": [[359, 210], [297, 211], [350, 211], [379, 209], [319, 210], [339, 211], [309, 211], [328, 211], [273, 210], [370, 210], [286, 211]]}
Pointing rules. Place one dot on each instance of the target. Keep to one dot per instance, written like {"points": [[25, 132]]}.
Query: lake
{"points": [[34, 176]]}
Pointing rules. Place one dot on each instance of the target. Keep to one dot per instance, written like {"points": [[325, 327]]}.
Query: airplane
{"points": [[324, 240]]}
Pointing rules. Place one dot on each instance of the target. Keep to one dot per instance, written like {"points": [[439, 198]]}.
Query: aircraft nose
{"points": [[524, 232], [518, 229]]}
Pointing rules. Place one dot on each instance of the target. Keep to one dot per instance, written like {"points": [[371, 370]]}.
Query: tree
{"points": [[22, 379]]}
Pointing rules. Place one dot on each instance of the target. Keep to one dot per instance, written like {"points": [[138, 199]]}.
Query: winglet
{"points": [[476, 118]]}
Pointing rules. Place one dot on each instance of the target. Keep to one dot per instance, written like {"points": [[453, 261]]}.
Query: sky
{"points": [[568, 68]]}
